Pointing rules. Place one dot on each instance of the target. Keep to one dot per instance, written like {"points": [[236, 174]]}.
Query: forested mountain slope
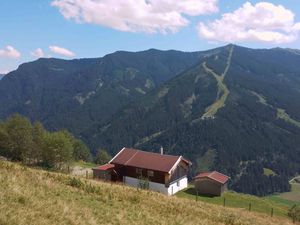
{"points": [[76, 93], [237, 111], [233, 109]]}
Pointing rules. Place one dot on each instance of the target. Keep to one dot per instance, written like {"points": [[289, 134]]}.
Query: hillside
{"points": [[52, 198], [75, 94], [231, 109], [238, 106]]}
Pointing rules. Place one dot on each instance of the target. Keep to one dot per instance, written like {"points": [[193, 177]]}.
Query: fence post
{"points": [[224, 202], [294, 219], [86, 174], [250, 206], [272, 212], [196, 196]]}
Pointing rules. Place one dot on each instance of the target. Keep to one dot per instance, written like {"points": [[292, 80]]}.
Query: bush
{"points": [[294, 213], [74, 182], [143, 182]]}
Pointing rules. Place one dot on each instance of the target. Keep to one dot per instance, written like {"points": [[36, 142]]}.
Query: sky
{"points": [[93, 28]]}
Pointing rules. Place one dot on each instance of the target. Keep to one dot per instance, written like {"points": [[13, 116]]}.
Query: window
{"points": [[150, 173], [139, 171]]}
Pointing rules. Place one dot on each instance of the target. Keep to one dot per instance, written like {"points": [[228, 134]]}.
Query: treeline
{"points": [[31, 144], [254, 181]]}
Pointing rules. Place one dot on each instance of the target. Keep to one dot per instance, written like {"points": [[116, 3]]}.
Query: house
{"points": [[158, 172], [211, 183]]}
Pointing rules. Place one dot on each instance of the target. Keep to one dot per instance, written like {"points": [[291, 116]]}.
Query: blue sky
{"points": [[63, 30]]}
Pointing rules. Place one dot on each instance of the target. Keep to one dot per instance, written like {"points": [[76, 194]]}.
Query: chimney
{"points": [[161, 150]]}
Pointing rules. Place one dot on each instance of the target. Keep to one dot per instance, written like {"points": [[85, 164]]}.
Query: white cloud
{"points": [[149, 16], [262, 22], [10, 52], [4, 71], [61, 51], [38, 53]]}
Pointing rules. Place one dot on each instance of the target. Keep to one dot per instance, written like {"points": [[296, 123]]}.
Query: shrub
{"points": [[74, 182], [294, 213]]}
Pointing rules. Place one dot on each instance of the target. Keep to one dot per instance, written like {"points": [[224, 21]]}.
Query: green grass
{"points": [[269, 172], [205, 162], [36, 197], [261, 98], [286, 117], [212, 110], [290, 198], [236, 200]]}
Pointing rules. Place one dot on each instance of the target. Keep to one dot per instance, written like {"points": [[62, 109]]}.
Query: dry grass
{"points": [[31, 196]]}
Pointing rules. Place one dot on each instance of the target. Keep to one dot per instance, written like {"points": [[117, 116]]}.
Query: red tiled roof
{"points": [[216, 176], [105, 167], [147, 160]]}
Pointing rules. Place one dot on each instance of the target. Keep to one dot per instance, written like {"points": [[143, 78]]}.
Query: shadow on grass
{"points": [[192, 191]]}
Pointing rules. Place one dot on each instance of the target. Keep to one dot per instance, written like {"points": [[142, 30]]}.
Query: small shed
{"points": [[211, 183], [103, 172]]}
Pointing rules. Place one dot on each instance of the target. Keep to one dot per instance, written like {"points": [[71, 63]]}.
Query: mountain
{"points": [[1, 76], [77, 93], [236, 111], [232, 109]]}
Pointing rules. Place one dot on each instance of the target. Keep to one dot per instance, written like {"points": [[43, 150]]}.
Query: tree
{"points": [[81, 151], [3, 141], [58, 150], [102, 157], [39, 134], [19, 139]]}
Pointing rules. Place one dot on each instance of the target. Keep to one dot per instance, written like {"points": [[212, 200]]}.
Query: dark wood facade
{"points": [[102, 175], [156, 168], [208, 186]]}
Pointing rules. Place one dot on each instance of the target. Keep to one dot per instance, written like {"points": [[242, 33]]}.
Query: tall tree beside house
{"points": [[102, 157]]}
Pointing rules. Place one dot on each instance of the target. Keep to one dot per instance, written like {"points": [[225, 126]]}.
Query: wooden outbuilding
{"points": [[211, 183]]}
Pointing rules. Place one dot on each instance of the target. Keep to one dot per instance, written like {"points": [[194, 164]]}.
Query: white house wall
{"points": [[172, 189], [178, 185]]}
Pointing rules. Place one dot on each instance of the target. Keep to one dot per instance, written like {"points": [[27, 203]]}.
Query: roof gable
{"points": [[105, 167], [146, 160], [216, 176]]}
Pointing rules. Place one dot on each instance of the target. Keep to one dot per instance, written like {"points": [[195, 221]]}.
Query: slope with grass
{"points": [[32, 196], [236, 200], [223, 91]]}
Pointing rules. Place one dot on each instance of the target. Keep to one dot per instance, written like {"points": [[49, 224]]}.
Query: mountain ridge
{"points": [[244, 121]]}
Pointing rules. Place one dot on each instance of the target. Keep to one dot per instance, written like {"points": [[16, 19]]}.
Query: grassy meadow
{"points": [[33, 196], [288, 197], [262, 205]]}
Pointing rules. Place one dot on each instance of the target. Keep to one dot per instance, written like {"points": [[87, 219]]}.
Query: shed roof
{"points": [[216, 176], [105, 167], [147, 160]]}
